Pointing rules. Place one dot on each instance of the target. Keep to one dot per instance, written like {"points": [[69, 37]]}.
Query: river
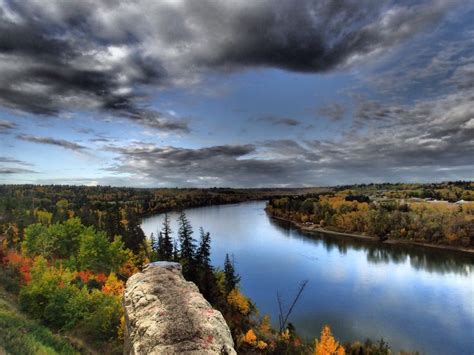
{"points": [[415, 299]]}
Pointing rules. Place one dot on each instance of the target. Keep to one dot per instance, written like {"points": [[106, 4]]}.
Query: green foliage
{"points": [[84, 247], [232, 279], [187, 247], [54, 297], [20, 335], [103, 317]]}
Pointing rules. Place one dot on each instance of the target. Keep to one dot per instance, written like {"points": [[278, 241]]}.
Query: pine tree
{"points": [[112, 221], [159, 246], [154, 244], [231, 278], [133, 238], [175, 251], [204, 251], [187, 247], [166, 245], [207, 282]]}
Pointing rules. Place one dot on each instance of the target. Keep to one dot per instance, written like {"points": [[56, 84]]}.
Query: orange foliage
{"points": [[128, 269], [327, 345], [113, 286], [239, 302], [250, 338], [101, 277], [19, 262], [265, 326], [85, 276]]}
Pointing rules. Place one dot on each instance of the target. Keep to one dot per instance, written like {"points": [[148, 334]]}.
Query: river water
{"points": [[415, 299]]}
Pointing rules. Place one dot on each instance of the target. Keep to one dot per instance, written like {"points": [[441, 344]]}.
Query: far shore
{"points": [[317, 229]]}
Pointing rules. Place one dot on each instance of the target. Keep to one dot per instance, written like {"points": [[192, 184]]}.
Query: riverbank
{"points": [[317, 229]]}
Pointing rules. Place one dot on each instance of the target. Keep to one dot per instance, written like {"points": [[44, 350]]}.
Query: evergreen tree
{"points": [[207, 282], [159, 246], [154, 247], [134, 238], [175, 251], [187, 247], [113, 226], [203, 256], [232, 279], [166, 243]]}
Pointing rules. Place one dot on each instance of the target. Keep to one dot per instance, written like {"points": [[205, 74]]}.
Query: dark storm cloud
{"points": [[51, 141], [6, 126], [210, 166], [427, 140], [106, 55]]}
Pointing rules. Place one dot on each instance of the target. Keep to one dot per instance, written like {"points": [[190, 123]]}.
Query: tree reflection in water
{"points": [[420, 258]]}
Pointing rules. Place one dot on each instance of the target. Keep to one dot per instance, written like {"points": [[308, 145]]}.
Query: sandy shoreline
{"points": [[314, 229]]}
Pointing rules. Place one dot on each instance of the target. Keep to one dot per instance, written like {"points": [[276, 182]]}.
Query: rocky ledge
{"points": [[165, 314]]}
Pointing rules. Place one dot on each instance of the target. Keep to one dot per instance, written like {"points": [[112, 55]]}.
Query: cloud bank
{"points": [[106, 55]]}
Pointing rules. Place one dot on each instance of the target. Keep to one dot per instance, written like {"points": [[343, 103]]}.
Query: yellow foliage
{"points": [[113, 286], [265, 326], [121, 328], [238, 302], [285, 335], [44, 217], [327, 345], [250, 338], [261, 345]]}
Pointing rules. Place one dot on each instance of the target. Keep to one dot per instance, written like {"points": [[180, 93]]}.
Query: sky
{"points": [[279, 93]]}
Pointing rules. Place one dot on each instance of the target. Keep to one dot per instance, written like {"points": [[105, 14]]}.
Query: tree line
{"points": [[413, 220]]}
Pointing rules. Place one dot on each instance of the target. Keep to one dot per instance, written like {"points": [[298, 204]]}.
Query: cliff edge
{"points": [[165, 314]]}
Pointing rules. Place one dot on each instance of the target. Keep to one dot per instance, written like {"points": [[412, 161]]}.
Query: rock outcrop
{"points": [[165, 314]]}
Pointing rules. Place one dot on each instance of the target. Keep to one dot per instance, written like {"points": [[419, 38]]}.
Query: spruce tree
{"points": [[166, 245], [232, 279], [204, 251], [154, 247], [133, 238], [159, 246], [175, 251], [207, 281], [187, 247]]}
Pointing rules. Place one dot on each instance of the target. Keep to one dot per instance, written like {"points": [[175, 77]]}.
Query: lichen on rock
{"points": [[165, 314]]}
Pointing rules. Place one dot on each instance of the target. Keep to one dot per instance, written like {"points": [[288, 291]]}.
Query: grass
{"points": [[20, 335]]}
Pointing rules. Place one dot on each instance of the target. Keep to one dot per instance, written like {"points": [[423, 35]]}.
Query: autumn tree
{"points": [[326, 344]]}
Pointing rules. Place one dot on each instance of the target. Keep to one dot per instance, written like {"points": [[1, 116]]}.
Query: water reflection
{"points": [[418, 299], [420, 258]]}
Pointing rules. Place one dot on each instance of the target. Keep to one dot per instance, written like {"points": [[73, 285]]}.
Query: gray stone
{"points": [[165, 314]]}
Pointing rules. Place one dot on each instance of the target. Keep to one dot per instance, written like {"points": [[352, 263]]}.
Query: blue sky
{"points": [[236, 94]]}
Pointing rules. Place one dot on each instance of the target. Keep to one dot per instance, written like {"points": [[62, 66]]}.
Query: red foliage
{"points": [[101, 277], [19, 262], [84, 275]]}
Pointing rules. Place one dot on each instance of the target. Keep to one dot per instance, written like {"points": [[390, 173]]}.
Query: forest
{"points": [[388, 212], [66, 253]]}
